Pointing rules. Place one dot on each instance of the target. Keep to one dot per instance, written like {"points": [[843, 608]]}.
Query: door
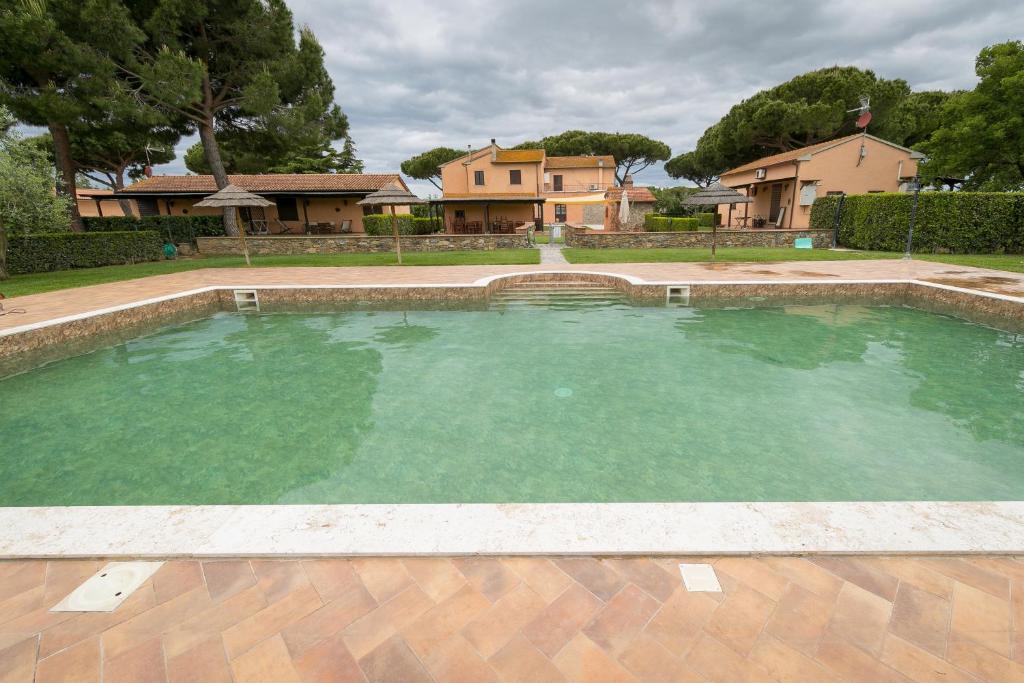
{"points": [[773, 210], [557, 183], [560, 211]]}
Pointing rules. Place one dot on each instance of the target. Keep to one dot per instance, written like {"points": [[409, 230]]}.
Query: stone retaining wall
{"points": [[351, 244], [586, 239]]}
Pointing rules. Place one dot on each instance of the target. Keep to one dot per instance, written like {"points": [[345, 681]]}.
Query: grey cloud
{"points": [[420, 73]]}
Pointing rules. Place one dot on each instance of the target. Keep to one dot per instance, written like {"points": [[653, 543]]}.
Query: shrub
{"points": [[654, 223], [422, 225], [957, 222], [705, 220], [684, 224], [64, 250], [380, 224], [176, 229]]}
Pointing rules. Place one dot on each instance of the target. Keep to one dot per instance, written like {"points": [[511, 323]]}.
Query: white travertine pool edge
{"points": [[513, 529]]}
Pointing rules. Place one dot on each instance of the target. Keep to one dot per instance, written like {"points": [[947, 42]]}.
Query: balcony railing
{"points": [[578, 187]]}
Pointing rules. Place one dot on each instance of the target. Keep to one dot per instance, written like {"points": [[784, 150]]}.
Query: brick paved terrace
{"points": [[524, 619]]}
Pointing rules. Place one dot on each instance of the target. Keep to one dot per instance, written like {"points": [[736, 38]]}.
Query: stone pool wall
{"points": [[354, 244], [586, 239]]}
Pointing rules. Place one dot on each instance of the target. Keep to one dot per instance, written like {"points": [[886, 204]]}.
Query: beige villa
{"points": [[784, 186], [501, 190], [303, 202]]}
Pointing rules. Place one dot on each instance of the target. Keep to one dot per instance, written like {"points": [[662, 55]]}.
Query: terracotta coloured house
{"points": [[321, 203], [784, 186], [502, 190]]}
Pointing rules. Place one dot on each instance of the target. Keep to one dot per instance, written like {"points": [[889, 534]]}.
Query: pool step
{"points": [[573, 294]]}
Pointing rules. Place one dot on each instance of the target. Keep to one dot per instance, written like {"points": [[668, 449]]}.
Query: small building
{"points": [[321, 203], [784, 186], [641, 202]]}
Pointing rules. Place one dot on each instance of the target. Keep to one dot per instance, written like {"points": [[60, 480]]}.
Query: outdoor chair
{"points": [[346, 226]]}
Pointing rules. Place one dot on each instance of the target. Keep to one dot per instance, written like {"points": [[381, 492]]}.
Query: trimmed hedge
{"points": [[176, 229], [684, 224], [947, 222], [705, 220], [422, 225], [63, 250], [379, 224], [653, 223]]}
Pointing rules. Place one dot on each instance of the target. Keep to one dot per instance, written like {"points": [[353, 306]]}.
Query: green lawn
{"points": [[722, 254], [19, 285], [1011, 262]]}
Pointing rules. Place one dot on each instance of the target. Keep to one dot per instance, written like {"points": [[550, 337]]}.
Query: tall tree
{"points": [[981, 138], [633, 152], [27, 201], [805, 110], [225, 64], [427, 166], [296, 137], [53, 74], [915, 118], [692, 166]]}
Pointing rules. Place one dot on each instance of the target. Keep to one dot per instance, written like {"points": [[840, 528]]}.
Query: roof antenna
{"points": [[862, 122]]}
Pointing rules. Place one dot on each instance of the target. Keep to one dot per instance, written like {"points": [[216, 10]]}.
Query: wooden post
{"points": [[714, 238], [394, 229], [241, 234]]}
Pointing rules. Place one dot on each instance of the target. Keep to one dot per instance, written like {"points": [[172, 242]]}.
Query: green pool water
{"points": [[526, 404]]}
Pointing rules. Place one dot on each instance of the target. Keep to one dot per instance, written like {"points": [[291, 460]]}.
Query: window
{"points": [[460, 213], [147, 207], [371, 210], [287, 209], [560, 211], [478, 177], [834, 193], [515, 177], [557, 182]]}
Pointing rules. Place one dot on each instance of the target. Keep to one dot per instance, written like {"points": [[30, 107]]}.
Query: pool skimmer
{"points": [[105, 590]]}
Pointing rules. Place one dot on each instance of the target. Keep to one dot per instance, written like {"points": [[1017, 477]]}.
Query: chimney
{"points": [[627, 181], [494, 150]]}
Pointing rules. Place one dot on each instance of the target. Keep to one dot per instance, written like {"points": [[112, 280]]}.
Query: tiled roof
{"points": [[512, 156], [636, 194], [92, 192], [791, 155], [269, 182], [579, 162], [490, 196]]}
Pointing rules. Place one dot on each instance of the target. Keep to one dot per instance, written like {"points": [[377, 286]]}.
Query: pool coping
{"points": [[610, 529], [743, 528]]}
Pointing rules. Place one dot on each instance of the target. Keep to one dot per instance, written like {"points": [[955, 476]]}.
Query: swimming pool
{"points": [[599, 403]]}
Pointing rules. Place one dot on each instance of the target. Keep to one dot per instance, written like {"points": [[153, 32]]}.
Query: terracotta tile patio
{"points": [[524, 619], [48, 305]]}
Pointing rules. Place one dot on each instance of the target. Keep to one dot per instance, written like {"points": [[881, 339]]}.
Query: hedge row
{"points": [[654, 223], [380, 224], [176, 229], [956, 222], [705, 220], [63, 250]]}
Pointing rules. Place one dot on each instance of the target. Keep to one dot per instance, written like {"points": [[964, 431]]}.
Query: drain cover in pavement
{"points": [[108, 588]]}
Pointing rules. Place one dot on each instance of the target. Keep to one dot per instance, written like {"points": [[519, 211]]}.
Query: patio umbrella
{"points": [[624, 208], [393, 195], [232, 197], [714, 195]]}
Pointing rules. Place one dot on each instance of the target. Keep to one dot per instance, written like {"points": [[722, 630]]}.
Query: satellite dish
{"points": [[864, 119]]}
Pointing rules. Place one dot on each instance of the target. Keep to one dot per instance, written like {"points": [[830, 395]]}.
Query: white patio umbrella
{"points": [[624, 208]]}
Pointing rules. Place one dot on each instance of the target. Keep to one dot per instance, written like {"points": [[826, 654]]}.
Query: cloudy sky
{"points": [[416, 74]]}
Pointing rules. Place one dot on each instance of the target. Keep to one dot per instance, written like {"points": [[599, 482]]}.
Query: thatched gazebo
{"points": [[232, 197], [393, 195], [713, 195]]}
